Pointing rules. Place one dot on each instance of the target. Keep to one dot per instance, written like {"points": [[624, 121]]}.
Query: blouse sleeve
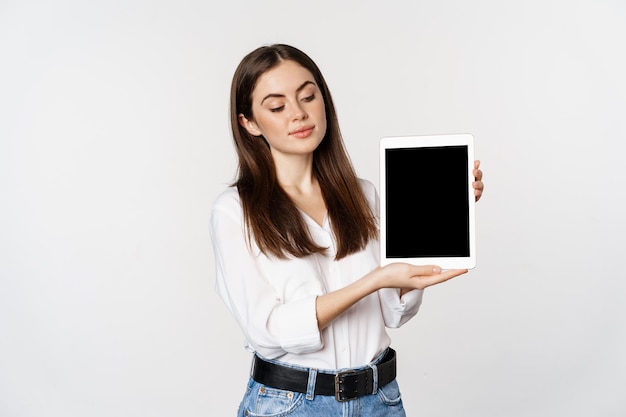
{"points": [[397, 310], [271, 325]]}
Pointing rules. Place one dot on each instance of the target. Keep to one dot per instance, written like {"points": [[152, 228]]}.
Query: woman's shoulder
{"points": [[367, 186], [370, 193], [227, 200]]}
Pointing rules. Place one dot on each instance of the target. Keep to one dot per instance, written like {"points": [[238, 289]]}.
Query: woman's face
{"points": [[288, 110]]}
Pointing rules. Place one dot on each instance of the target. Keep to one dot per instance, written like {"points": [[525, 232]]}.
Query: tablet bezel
{"points": [[418, 141]]}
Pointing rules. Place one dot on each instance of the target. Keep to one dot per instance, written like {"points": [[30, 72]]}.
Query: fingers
{"points": [[404, 272], [429, 280], [433, 271], [478, 183], [478, 189], [424, 270]]}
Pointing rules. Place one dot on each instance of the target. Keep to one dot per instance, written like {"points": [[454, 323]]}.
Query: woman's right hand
{"points": [[411, 277]]}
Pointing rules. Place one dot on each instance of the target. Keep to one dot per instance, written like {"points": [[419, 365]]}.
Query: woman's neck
{"points": [[295, 176]]}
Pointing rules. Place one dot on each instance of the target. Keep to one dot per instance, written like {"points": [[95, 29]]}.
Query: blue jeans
{"points": [[264, 401]]}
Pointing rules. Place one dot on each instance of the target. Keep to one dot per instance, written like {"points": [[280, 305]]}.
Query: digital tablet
{"points": [[427, 200]]}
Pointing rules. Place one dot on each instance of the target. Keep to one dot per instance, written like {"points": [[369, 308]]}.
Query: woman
{"points": [[296, 251]]}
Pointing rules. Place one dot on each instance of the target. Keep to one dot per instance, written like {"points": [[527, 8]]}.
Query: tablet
{"points": [[427, 200]]}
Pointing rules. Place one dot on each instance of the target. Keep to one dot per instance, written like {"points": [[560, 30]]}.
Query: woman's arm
{"points": [[275, 317], [397, 275]]}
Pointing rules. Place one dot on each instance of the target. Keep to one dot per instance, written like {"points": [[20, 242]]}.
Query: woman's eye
{"points": [[277, 109], [309, 98]]}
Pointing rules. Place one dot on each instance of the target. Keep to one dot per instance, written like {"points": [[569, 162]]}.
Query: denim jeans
{"points": [[264, 401]]}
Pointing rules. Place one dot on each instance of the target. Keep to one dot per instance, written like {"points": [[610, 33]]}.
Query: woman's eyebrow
{"points": [[304, 84]]}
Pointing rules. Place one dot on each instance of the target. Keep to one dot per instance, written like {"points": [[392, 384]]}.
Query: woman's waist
{"points": [[344, 385], [332, 357]]}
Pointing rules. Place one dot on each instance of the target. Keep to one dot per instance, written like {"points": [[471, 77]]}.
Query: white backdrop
{"points": [[114, 141]]}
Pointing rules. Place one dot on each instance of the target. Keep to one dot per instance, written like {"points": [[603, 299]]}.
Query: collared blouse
{"points": [[274, 300]]}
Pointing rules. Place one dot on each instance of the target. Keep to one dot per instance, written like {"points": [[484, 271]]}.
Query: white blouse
{"points": [[273, 300]]}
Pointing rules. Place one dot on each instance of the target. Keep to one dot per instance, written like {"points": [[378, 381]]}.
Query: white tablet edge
{"points": [[419, 141]]}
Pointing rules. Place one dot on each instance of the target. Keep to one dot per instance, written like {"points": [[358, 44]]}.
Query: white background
{"points": [[114, 141]]}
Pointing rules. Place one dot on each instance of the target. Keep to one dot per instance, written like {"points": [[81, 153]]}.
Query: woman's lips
{"points": [[303, 132]]}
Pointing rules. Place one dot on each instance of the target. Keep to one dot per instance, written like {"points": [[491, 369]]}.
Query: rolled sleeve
{"points": [[296, 325], [398, 310]]}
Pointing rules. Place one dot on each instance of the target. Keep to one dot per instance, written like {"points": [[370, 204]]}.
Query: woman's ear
{"points": [[249, 125]]}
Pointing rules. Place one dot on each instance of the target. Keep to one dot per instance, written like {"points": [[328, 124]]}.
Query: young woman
{"points": [[296, 251]]}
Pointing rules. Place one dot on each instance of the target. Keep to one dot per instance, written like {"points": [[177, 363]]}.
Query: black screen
{"points": [[427, 202]]}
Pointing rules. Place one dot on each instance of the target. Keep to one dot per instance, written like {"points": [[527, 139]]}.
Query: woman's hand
{"points": [[410, 277], [478, 181]]}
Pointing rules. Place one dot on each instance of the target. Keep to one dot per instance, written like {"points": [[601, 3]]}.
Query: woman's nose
{"points": [[299, 113]]}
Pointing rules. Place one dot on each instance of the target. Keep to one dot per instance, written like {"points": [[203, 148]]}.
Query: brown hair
{"points": [[270, 215]]}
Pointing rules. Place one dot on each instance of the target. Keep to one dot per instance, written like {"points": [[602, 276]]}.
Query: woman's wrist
{"points": [[376, 279]]}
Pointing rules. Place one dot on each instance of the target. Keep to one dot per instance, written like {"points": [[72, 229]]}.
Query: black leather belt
{"points": [[343, 385]]}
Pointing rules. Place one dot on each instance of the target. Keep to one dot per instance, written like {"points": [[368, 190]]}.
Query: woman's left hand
{"points": [[478, 181]]}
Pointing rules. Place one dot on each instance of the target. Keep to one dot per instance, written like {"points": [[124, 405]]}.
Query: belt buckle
{"points": [[338, 388]]}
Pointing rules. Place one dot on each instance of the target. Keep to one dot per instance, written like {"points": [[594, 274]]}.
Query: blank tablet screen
{"points": [[427, 202]]}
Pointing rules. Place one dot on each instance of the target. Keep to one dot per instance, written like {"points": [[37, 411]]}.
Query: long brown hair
{"points": [[271, 217]]}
